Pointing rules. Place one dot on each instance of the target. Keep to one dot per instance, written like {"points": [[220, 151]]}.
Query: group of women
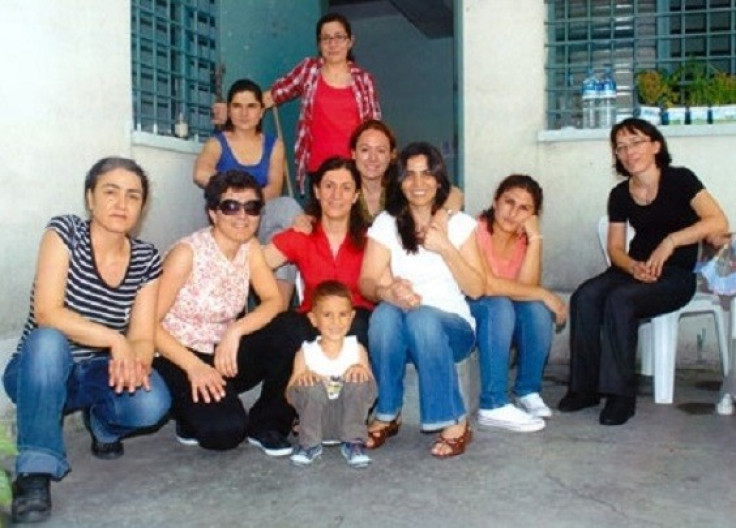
{"points": [[429, 283]]}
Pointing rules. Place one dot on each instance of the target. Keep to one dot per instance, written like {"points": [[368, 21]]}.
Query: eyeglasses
{"points": [[636, 144], [233, 207], [340, 39]]}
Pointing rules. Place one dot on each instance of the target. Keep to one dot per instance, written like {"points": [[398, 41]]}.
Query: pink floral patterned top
{"points": [[212, 297]]}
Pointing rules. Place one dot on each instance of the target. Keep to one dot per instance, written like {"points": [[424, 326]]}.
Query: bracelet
{"points": [[449, 212], [671, 241], [534, 237]]}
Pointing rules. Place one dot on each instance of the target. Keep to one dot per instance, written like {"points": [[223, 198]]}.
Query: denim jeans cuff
{"points": [[438, 426], [33, 461], [386, 417]]}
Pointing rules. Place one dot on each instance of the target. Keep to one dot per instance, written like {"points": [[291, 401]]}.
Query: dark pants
{"points": [[264, 356], [604, 322], [343, 418]]}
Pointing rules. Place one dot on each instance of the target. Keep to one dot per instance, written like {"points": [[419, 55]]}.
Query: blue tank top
{"points": [[259, 171]]}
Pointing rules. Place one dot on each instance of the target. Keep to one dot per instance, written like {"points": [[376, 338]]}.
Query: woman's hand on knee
{"points": [[557, 306], [206, 383], [226, 353], [122, 368]]}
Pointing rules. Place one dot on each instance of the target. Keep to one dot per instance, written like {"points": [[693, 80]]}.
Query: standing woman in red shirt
{"points": [[336, 96]]}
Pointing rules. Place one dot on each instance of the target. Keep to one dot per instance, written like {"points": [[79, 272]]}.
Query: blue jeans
{"points": [[500, 322], [45, 383], [431, 339]]}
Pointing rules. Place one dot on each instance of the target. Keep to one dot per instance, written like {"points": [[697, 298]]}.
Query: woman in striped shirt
{"points": [[88, 341]]}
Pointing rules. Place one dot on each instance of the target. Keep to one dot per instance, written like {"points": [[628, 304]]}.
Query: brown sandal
{"points": [[455, 445], [378, 437]]}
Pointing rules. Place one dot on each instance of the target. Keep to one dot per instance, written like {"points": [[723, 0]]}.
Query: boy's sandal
{"points": [[378, 437], [455, 446]]}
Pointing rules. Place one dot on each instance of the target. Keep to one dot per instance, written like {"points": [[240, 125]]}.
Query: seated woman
{"points": [[516, 309], [88, 340], [421, 269], [244, 146], [671, 212], [332, 249], [209, 355]]}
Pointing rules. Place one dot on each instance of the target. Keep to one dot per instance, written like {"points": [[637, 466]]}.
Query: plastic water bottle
{"points": [[606, 90], [589, 100]]}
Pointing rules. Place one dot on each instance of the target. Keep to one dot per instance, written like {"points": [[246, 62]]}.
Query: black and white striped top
{"points": [[86, 292]]}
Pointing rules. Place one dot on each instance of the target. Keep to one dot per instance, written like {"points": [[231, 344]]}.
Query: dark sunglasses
{"points": [[233, 207]]}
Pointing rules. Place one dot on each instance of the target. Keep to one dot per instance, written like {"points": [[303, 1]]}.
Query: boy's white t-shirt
{"points": [[427, 271], [318, 362]]}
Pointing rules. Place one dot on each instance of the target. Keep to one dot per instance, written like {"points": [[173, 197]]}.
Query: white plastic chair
{"points": [[658, 335]]}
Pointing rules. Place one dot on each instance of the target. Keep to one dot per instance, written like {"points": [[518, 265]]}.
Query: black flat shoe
{"points": [[102, 450], [576, 401], [618, 410], [31, 498]]}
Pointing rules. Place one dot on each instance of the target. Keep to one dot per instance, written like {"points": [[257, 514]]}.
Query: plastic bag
{"points": [[718, 267]]}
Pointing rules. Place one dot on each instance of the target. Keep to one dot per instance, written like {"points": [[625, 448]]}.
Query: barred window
{"points": [[174, 55], [629, 36]]}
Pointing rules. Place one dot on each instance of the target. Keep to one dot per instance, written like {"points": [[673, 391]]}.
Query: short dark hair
{"points": [[634, 125], [220, 182], [397, 204], [244, 85], [331, 288], [515, 181], [111, 163]]}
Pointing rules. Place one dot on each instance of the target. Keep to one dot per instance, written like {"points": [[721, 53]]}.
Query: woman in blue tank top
{"points": [[242, 145]]}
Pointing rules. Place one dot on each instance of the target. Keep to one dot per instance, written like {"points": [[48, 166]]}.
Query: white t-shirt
{"points": [[319, 363], [427, 271]]}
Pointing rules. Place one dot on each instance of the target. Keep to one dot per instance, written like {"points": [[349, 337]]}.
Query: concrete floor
{"points": [[669, 466]]}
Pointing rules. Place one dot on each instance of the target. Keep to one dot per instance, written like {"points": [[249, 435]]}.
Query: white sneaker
{"points": [[510, 418], [534, 404], [725, 406]]}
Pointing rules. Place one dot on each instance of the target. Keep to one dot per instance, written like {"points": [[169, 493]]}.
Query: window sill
{"points": [[146, 139], [577, 134]]}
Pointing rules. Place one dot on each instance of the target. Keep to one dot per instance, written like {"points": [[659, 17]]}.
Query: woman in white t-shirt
{"points": [[420, 269]]}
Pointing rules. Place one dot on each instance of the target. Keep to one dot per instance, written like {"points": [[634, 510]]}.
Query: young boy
{"points": [[332, 387]]}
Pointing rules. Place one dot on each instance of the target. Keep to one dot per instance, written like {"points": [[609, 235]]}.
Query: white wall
{"points": [[66, 102], [503, 106]]}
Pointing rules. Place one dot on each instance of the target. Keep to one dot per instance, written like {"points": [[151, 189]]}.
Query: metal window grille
{"points": [[629, 36], [174, 53]]}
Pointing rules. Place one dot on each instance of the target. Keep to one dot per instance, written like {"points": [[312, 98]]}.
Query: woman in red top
{"points": [[336, 96], [333, 250]]}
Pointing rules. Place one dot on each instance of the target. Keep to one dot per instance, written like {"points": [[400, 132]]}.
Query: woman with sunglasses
{"points": [[88, 341], [210, 352], [336, 95], [420, 270], [243, 145], [671, 212]]}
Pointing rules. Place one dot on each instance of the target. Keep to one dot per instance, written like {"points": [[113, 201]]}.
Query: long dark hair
{"points": [[356, 223], [515, 181], [396, 203], [243, 85], [635, 125]]}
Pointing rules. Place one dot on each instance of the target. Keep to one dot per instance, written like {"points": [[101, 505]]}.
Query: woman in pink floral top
{"points": [[210, 352]]}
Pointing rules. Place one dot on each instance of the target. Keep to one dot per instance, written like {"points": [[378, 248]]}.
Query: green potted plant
{"points": [[723, 97], [695, 90], [654, 90]]}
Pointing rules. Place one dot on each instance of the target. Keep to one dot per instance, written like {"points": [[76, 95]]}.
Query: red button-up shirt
{"points": [[311, 254]]}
